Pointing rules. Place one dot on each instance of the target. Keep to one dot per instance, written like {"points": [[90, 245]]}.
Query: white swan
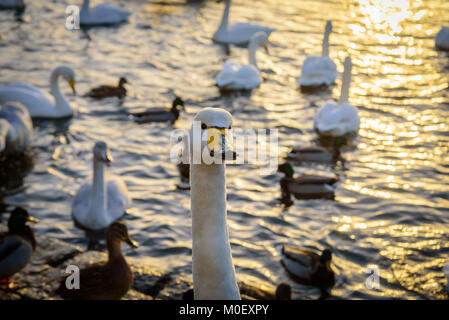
{"points": [[319, 70], [238, 33], [442, 39], [16, 128], [213, 270], [38, 102], [12, 4], [342, 118], [102, 14], [234, 76], [100, 203]]}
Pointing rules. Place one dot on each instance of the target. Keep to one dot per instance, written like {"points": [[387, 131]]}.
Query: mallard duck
{"points": [[106, 91], [317, 153], [319, 71], [99, 203], [305, 186], [109, 280], [37, 101], [339, 119], [16, 246], [16, 128], [234, 76], [102, 14], [238, 33], [442, 39], [159, 114], [308, 268]]}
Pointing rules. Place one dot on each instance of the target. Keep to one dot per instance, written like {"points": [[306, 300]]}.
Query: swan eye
{"points": [[203, 126]]}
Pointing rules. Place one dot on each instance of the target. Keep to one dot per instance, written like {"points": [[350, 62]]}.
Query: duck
{"points": [[319, 71], [442, 39], [17, 246], [314, 153], [305, 186], [213, 270], [234, 76], [309, 268], [16, 128], [339, 119], [239, 33], [109, 280], [12, 4], [102, 14], [160, 114], [106, 91], [104, 200], [184, 174], [37, 101]]}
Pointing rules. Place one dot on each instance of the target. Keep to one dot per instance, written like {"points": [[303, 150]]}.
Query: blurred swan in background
{"points": [[339, 119], [102, 14], [238, 33], [37, 101], [100, 203], [12, 4], [213, 269], [319, 70], [16, 128], [234, 76], [442, 39]]}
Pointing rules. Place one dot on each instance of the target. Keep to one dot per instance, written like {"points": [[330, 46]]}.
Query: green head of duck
{"points": [[287, 169], [177, 102], [18, 219]]}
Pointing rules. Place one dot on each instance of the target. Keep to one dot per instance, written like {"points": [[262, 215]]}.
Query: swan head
{"points": [[68, 75], [101, 153], [214, 124], [328, 28], [118, 232], [259, 39]]}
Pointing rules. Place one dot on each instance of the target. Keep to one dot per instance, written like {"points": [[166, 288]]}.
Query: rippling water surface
{"points": [[391, 206]]}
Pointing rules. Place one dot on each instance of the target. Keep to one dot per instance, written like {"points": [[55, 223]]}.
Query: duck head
{"points": [[118, 232], [101, 153], [287, 169], [122, 81], [178, 102], [213, 124], [18, 219], [326, 258]]}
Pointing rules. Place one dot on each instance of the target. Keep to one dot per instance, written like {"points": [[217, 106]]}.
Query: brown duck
{"points": [[105, 281], [106, 91]]}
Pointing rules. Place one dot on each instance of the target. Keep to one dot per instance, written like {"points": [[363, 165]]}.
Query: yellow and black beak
{"points": [[72, 85], [216, 142], [32, 219]]}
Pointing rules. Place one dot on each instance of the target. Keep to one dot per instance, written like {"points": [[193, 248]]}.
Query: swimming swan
{"points": [[16, 128], [237, 77], [100, 203], [238, 33], [213, 270], [319, 70], [337, 120], [37, 101], [102, 14]]}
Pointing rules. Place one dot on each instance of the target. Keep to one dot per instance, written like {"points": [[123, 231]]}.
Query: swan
{"points": [[102, 14], [442, 39], [319, 70], [102, 202], [337, 120], [16, 128], [37, 101], [213, 270], [12, 4], [238, 33], [237, 77]]}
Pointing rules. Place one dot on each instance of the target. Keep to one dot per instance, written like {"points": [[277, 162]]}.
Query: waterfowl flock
{"points": [[102, 201]]}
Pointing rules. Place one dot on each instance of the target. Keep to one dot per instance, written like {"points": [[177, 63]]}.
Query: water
{"points": [[391, 206]]}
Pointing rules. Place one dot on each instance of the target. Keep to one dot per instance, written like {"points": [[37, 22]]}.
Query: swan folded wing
{"points": [[338, 119], [118, 198], [241, 33], [227, 74], [80, 205], [248, 77], [105, 13], [14, 255], [18, 91], [317, 71]]}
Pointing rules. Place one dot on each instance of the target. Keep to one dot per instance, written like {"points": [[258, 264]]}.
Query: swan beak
{"points": [[108, 159], [131, 243], [72, 85], [217, 144], [32, 219]]}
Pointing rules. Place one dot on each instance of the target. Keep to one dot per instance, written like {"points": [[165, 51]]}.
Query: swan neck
{"points": [[325, 52], [99, 195], [213, 270], [54, 87], [224, 19], [346, 82], [85, 7], [252, 48]]}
